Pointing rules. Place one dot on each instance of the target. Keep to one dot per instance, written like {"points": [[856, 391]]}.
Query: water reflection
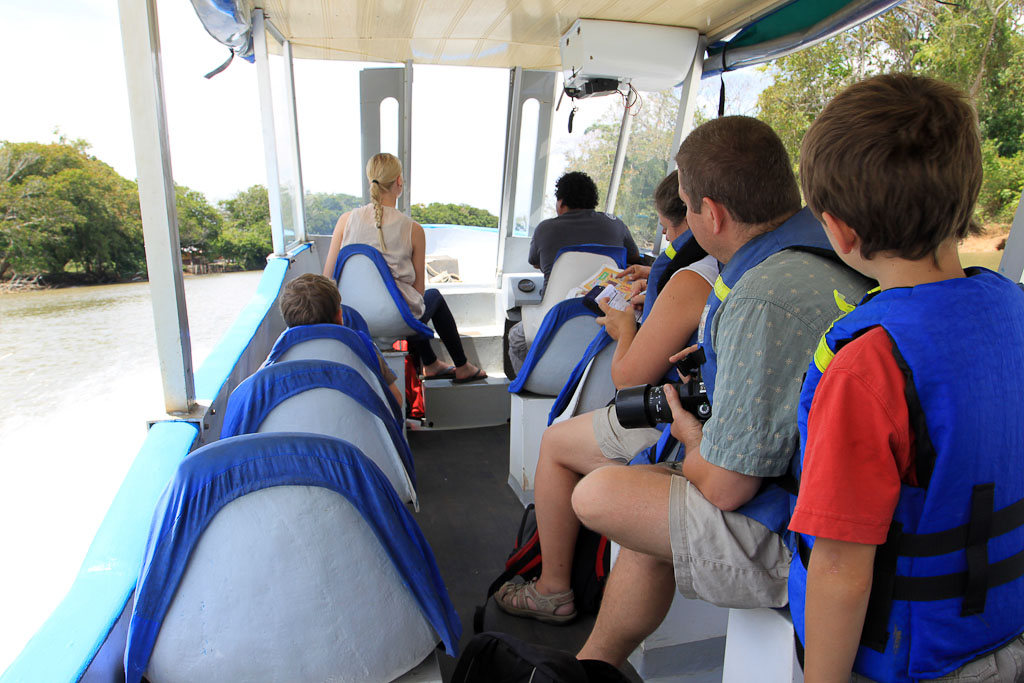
{"points": [[80, 377]]}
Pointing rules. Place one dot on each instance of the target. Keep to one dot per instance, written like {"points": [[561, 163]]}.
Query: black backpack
{"points": [[501, 658], [589, 565]]}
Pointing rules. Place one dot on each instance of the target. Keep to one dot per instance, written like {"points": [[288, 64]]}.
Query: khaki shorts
{"points": [[724, 558], [615, 440]]}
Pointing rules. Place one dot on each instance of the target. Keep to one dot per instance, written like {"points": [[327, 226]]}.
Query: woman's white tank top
{"points": [[397, 227]]}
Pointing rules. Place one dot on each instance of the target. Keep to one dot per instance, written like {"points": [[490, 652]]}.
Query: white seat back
{"points": [[595, 388], [338, 352], [326, 411], [570, 271], [362, 288], [289, 583], [566, 349]]}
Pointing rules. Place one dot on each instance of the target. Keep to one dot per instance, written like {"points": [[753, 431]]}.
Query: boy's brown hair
{"points": [[310, 300], [741, 163], [667, 201], [898, 158]]}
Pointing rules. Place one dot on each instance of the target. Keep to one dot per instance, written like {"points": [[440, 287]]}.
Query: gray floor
{"points": [[470, 517]]}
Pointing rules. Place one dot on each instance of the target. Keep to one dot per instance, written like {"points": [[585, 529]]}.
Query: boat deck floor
{"points": [[470, 516]]}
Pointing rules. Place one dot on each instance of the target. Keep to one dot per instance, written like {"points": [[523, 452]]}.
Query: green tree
{"points": [[64, 209], [453, 214], [645, 164], [199, 222], [245, 237], [323, 210]]}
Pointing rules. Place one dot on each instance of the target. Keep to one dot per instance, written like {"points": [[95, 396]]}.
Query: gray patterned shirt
{"points": [[764, 334]]}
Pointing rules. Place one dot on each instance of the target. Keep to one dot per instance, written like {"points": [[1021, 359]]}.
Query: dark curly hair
{"points": [[576, 190]]}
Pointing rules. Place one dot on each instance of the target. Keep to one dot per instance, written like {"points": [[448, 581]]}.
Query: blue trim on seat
{"points": [[354, 319], [359, 342], [218, 366], [253, 399], [377, 258], [559, 314], [224, 471], [597, 344], [64, 647], [617, 254]]}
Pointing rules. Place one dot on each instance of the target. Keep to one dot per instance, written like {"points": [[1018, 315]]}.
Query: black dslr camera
{"points": [[645, 406]]}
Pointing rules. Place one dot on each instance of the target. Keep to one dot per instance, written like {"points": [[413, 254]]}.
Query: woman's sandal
{"points": [[512, 594]]}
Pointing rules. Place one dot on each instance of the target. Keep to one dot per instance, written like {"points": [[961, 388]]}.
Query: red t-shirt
{"points": [[859, 447]]}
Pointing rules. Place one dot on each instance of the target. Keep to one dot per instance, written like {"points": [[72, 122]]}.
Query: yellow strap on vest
{"points": [[721, 289], [670, 251], [823, 355]]}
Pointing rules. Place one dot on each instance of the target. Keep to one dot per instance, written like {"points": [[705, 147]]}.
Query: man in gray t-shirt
{"points": [[683, 529], [577, 223]]}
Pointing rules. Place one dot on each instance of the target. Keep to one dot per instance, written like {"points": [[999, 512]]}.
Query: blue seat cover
{"points": [[225, 470], [253, 399], [369, 252], [559, 314], [597, 344], [354, 319], [359, 342], [617, 254]]}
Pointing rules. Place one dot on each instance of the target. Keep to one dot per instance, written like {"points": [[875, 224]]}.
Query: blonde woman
{"points": [[402, 243]]}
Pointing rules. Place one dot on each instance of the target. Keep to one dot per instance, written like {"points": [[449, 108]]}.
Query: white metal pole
{"points": [[1012, 263], [620, 158], [259, 36], [140, 36], [506, 221], [405, 138], [299, 203]]}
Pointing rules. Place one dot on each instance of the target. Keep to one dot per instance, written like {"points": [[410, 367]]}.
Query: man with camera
{"points": [[713, 528]]}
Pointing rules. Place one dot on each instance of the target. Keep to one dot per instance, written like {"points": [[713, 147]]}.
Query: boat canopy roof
{"points": [[525, 33]]}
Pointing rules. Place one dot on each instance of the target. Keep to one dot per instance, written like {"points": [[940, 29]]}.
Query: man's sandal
{"points": [[515, 598]]}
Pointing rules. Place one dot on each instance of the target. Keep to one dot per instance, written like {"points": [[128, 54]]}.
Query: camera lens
{"points": [[631, 407]]}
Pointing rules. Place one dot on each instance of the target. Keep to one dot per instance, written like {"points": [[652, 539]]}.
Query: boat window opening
{"points": [[523, 220], [287, 176], [389, 125]]}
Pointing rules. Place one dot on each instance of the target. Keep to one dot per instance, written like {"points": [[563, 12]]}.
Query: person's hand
{"points": [[636, 272], [685, 427], [637, 287], [680, 355], [616, 323], [638, 301]]}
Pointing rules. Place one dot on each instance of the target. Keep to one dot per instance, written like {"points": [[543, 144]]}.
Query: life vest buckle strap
{"points": [[978, 532], [1004, 520]]}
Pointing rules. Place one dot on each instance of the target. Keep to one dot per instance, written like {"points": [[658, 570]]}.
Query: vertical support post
{"points": [[545, 111], [405, 139], [140, 36], [1012, 263], [687, 109], [620, 159], [506, 219], [299, 202], [259, 36]]}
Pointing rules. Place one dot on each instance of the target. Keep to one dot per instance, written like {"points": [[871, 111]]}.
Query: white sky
{"points": [[63, 67]]}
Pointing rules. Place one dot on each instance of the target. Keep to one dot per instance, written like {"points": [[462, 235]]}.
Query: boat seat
{"points": [[321, 397], [567, 331], [573, 265], [284, 557], [590, 385], [353, 319], [330, 342], [759, 645], [366, 284]]}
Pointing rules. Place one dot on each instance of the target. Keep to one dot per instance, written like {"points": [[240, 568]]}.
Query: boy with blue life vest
{"points": [[714, 528], [911, 526]]}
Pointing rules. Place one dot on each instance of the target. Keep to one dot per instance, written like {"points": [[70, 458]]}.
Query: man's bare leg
{"points": [[630, 506], [568, 450]]}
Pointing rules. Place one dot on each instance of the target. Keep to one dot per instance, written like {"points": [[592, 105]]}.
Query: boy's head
{"points": [[741, 163], [576, 190], [898, 159], [310, 300]]}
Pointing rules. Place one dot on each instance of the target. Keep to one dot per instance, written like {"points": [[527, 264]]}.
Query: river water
{"points": [[78, 379]]}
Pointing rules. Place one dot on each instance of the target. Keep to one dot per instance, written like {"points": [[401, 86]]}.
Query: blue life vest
{"points": [[802, 231], [947, 584], [658, 267]]}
